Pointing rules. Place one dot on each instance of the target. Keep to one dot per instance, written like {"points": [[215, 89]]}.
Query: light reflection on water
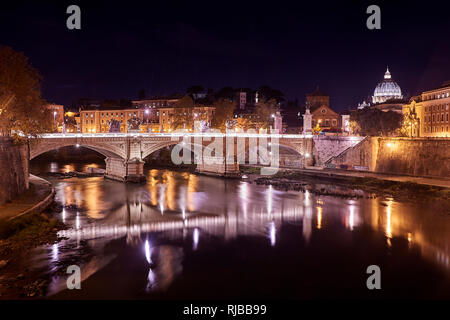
{"points": [[186, 206]]}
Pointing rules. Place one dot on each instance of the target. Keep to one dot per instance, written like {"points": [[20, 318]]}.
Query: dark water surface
{"points": [[186, 236]]}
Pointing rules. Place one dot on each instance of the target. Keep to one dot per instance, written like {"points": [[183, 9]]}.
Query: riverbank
{"points": [[17, 238], [350, 185], [25, 223], [38, 196]]}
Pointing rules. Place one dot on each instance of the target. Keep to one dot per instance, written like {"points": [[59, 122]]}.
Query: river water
{"points": [[182, 235]]}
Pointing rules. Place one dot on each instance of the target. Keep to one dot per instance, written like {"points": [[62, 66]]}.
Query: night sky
{"points": [[166, 46]]}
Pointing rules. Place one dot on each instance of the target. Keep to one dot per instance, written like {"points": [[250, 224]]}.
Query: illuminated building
{"points": [[95, 119], [428, 114], [387, 96], [198, 113], [322, 114], [152, 106], [386, 90]]}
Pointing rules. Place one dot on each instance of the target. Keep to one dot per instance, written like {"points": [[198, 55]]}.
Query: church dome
{"points": [[386, 90]]}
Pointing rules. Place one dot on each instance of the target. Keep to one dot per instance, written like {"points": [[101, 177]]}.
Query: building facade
{"points": [[95, 120], [171, 118], [322, 115], [326, 118], [151, 106], [427, 115], [162, 117]]}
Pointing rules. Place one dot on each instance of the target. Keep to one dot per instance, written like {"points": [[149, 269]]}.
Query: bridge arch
{"points": [[150, 149], [109, 150]]}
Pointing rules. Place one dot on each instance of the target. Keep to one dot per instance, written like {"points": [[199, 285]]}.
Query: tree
{"points": [[223, 112], [182, 117], [226, 93], [317, 128], [374, 122], [410, 123], [267, 93], [264, 110], [243, 124], [22, 109]]}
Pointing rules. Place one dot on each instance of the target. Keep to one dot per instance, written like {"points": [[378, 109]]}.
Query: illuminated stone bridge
{"points": [[215, 153]]}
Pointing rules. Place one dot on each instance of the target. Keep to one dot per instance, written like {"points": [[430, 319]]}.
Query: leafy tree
{"points": [[264, 110], [374, 122], [410, 123], [223, 112], [226, 93], [182, 116], [317, 129], [22, 109], [268, 93], [185, 102], [244, 124]]}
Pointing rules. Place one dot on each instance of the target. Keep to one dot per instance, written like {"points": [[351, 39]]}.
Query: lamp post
{"points": [[147, 112]]}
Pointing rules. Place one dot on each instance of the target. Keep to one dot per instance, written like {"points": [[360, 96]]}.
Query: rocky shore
{"points": [[354, 187], [77, 174], [287, 185]]}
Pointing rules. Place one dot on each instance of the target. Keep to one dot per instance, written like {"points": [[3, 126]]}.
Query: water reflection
{"points": [[184, 206], [196, 237], [147, 252]]}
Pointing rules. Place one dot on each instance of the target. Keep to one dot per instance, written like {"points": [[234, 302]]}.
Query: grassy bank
{"points": [[17, 238]]}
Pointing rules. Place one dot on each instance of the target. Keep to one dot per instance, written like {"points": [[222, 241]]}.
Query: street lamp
{"points": [[147, 112], [54, 120]]}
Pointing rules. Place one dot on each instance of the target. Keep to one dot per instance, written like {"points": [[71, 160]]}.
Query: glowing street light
{"points": [[54, 118]]}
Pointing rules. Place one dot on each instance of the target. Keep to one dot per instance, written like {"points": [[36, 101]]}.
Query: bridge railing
{"points": [[174, 134]]}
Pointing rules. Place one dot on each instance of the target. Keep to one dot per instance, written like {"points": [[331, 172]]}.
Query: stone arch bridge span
{"points": [[216, 153]]}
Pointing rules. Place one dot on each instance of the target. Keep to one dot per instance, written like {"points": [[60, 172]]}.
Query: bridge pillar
{"points": [[222, 164], [218, 166], [125, 170]]}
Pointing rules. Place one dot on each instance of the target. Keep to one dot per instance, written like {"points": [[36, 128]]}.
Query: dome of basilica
{"points": [[386, 90]]}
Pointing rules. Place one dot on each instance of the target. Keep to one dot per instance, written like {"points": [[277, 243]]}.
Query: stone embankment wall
{"points": [[327, 147], [13, 170], [419, 157]]}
